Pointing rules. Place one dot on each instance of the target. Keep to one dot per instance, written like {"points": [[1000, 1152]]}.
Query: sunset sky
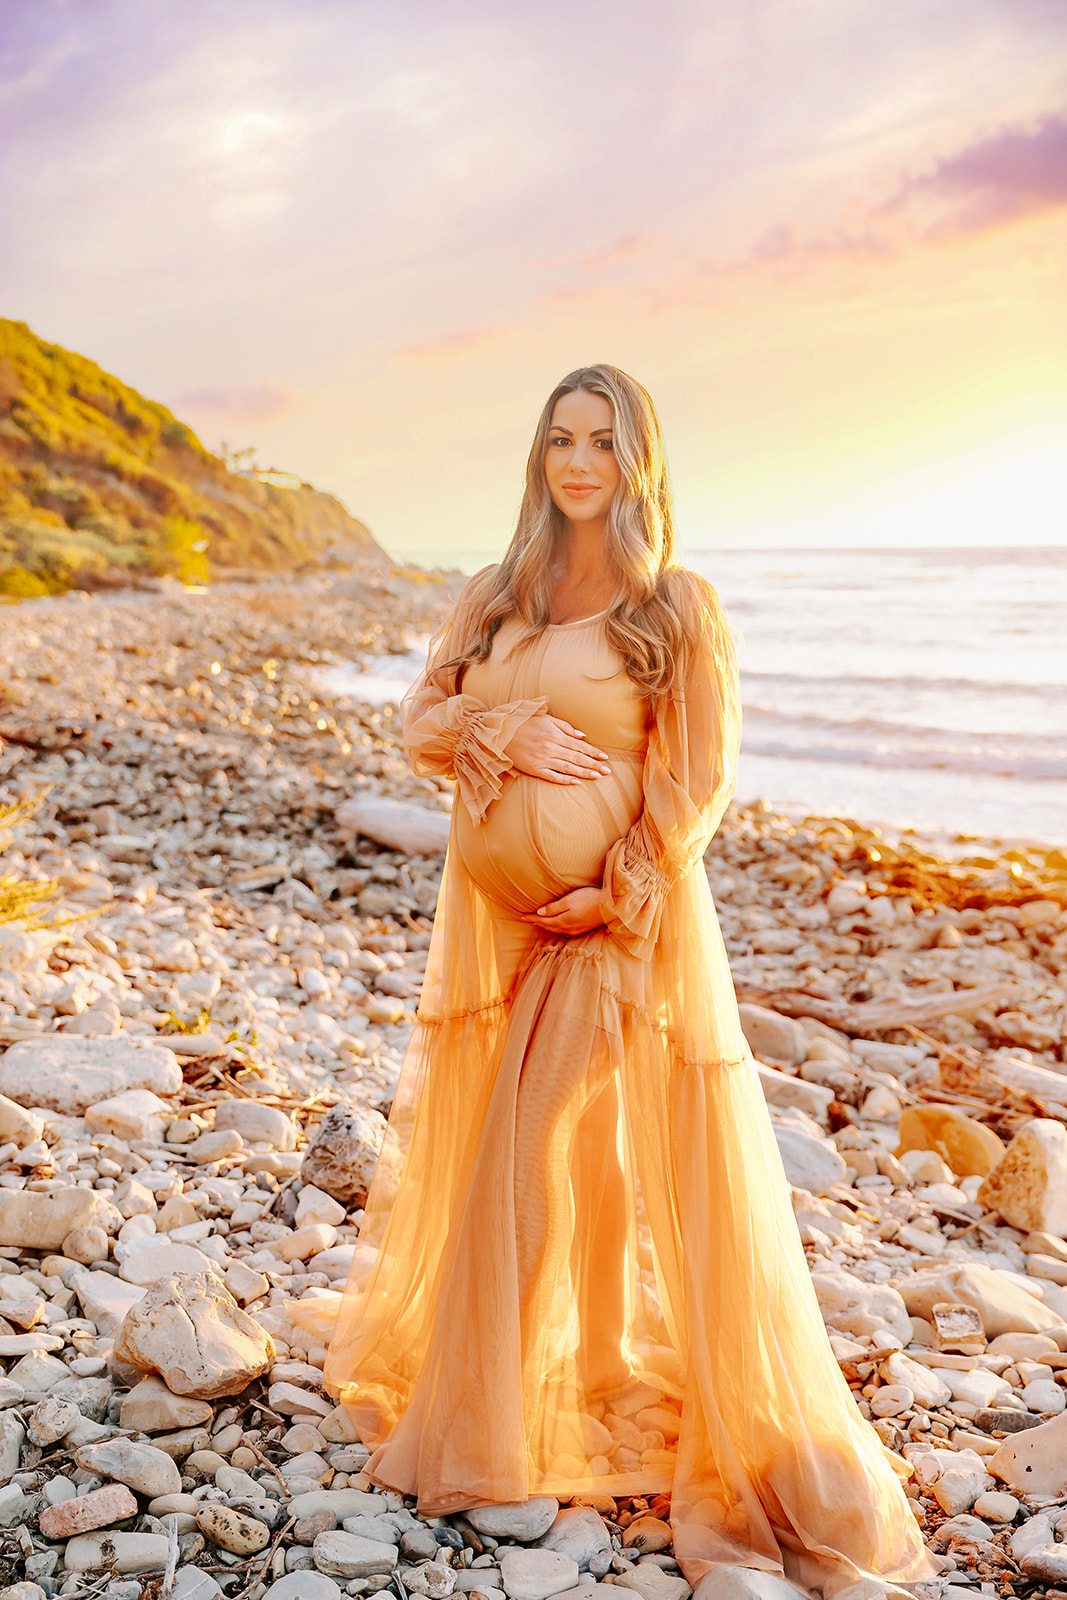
{"points": [[829, 236]]}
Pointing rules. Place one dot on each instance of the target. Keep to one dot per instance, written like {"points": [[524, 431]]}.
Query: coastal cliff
{"points": [[100, 486]]}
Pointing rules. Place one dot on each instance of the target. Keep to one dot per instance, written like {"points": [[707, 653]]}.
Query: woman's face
{"points": [[580, 463]]}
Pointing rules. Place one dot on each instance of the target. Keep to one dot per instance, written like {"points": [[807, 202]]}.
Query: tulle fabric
{"points": [[579, 1270]]}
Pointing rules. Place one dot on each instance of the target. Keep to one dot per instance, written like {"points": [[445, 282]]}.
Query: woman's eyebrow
{"points": [[594, 435]]}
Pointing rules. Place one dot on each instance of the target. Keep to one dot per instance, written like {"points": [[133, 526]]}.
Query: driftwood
{"points": [[877, 1016]]}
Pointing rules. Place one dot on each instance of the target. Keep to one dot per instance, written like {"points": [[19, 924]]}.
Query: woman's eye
{"points": [[560, 441], [606, 444]]}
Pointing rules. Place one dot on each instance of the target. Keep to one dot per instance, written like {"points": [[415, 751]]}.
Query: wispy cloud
{"points": [[260, 404]]}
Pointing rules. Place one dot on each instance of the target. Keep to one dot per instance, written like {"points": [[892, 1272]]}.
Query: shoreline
{"points": [[216, 919]]}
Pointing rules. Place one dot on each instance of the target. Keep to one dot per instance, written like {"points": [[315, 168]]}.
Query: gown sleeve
{"points": [[689, 775], [448, 734]]}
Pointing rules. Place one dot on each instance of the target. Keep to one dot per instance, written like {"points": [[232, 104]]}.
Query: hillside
{"points": [[99, 485]]}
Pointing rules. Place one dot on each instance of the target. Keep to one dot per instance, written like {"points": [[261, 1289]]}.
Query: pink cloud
{"points": [[450, 344], [262, 403]]}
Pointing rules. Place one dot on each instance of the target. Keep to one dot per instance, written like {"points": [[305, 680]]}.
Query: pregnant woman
{"points": [[579, 1270]]}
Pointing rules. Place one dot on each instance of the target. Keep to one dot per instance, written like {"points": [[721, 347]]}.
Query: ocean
{"points": [[920, 689]]}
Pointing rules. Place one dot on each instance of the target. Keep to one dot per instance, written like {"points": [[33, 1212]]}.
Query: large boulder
{"points": [[1003, 1306], [1028, 1186], [41, 1220], [342, 1157], [1035, 1462], [69, 1073], [191, 1330]]}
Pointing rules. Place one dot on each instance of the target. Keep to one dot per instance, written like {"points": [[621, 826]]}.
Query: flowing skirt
{"points": [[579, 1270]]}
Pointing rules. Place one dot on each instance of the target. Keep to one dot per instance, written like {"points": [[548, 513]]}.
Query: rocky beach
{"points": [[218, 889]]}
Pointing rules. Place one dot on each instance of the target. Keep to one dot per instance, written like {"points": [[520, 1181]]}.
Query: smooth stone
{"points": [[924, 1382], [647, 1533], [304, 1586], [773, 1037], [162, 1258], [432, 1581], [380, 1528], [315, 1205], [12, 1438], [810, 1162], [236, 1531], [86, 1245], [996, 1506], [17, 1125], [1048, 1565], [244, 1283], [1043, 1396], [536, 1574], [652, 1583], [69, 1073], [192, 1584], [978, 1387], [891, 1400], [346, 1555], [215, 1146], [782, 1089], [578, 1532], [105, 1300], [41, 1220], [342, 1502], [14, 1505], [966, 1146], [257, 1124], [150, 1407], [134, 1114], [305, 1242], [191, 1330], [396, 824], [144, 1468], [524, 1520], [121, 1552], [745, 1583], [98, 1509]]}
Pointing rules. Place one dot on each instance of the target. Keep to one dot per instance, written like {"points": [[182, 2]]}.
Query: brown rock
{"points": [[344, 1153], [113, 1503], [967, 1146]]}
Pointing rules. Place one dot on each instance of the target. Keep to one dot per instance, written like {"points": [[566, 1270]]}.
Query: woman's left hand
{"points": [[577, 912]]}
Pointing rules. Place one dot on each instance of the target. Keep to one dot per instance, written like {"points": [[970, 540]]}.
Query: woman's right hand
{"points": [[547, 747]]}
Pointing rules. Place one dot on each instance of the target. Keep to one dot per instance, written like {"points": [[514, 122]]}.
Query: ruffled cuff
{"points": [[480, 760], [632, 896]]}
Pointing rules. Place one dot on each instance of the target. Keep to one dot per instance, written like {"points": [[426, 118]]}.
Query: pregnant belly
{"points": [[540, 839]]}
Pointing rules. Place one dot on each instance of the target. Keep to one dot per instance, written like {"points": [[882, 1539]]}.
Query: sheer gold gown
{"points": [[579, 1270]]}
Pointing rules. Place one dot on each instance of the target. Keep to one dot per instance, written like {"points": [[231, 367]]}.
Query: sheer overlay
{"points": [[579, 1269]]}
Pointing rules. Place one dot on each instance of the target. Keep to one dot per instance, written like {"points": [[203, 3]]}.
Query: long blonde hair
{"points": [[646, 623]]}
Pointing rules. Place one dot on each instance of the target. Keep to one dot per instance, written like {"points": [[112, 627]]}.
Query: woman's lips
{"points": [[580, 491]]}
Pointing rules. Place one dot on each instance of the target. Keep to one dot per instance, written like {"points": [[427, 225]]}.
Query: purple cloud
{"points": [[260, 404], [1014, 173]]}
